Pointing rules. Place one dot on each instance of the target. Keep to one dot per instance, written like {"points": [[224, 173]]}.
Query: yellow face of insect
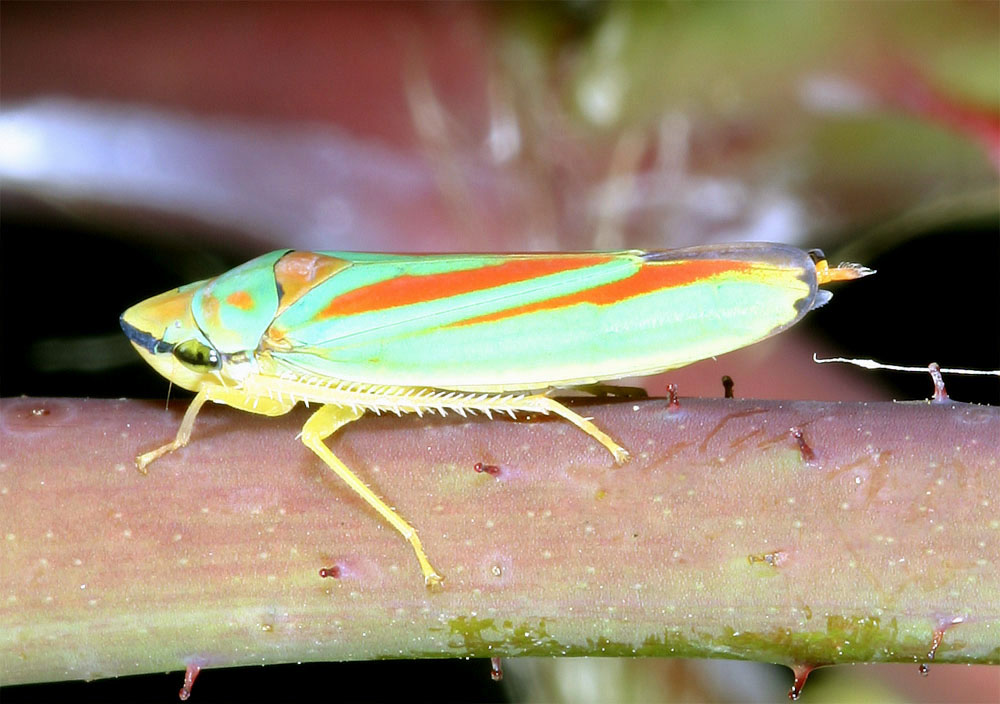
{"points": [[163, 330]]}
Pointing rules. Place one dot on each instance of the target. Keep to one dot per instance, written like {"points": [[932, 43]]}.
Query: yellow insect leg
{"points": [[323, 423], [219, 394], [182, 437], [544, 404]]}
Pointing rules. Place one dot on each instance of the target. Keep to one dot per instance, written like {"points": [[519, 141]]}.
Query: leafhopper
{"points": [[471, 333]]}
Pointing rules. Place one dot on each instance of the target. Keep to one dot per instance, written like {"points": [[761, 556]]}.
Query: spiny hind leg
{"points": [[220, 394], [544, 404], [323, 423]]}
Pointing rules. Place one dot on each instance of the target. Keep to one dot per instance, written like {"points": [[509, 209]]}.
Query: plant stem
{"points": [[720, 538]]}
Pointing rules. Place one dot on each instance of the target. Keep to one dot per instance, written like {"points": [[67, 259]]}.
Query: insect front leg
{"points": [[182, 437], [323, 423], [236, 398]]}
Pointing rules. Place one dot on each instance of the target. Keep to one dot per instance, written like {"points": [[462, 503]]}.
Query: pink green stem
{"points": [[868, 539]]}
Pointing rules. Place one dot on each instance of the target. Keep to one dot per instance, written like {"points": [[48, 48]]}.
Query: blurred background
{"points": [[143, 146]]}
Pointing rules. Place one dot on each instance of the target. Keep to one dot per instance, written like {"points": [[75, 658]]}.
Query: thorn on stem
{"points": [[801, 673], [807, 452], [190, 675], [490, 469], [727, 386], [937, 637], [940, 394], [673, 403], [332, 572]]}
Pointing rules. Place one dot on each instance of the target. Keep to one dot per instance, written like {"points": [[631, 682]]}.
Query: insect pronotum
{"points": [[405, 333]]}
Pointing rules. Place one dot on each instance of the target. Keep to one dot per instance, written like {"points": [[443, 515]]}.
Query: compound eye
{"points": [[196, 356]]}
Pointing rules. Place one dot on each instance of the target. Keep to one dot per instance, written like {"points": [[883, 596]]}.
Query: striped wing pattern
{"points": [[521, 322]]}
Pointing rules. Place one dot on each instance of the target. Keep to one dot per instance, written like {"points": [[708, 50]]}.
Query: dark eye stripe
{"points": [[144, 340]]}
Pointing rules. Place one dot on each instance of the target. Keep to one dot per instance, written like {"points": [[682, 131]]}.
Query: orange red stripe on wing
{"points": [[409, 289], [649, 278]]}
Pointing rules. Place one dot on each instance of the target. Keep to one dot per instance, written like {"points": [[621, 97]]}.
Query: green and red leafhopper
{"points": [[487, 333]]}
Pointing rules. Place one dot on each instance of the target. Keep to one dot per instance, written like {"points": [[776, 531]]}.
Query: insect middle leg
{"points": [[323, 423]]}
